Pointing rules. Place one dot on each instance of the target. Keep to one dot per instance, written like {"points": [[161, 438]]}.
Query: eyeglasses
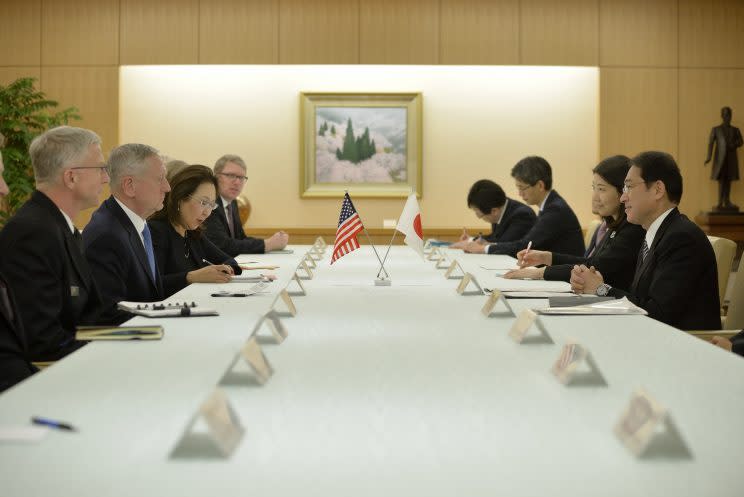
{"points": [[233, 177], [628, 186], [205, 204], [523, 188], [101, 169]]}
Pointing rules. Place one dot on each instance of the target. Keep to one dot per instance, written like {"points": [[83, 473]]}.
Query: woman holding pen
{"points": [[183, 253], [615, 255]]}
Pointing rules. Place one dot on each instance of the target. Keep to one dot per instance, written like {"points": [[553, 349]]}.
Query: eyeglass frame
{"points": [[101, 168], [233, 177], [524, 188], [627, 187], [211, 205]]}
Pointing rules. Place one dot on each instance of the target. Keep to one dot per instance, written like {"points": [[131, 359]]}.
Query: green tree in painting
{"points": [[356, 150]]}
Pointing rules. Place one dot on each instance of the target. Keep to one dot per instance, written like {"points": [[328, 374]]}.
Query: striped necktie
{"points": [[644, 250]]}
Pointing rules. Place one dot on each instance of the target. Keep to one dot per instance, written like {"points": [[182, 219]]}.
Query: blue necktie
{"points": [[149, 250]]}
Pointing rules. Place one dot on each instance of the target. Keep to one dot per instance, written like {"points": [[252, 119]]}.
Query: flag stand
{"points": [[382, 265], [380, 280]]}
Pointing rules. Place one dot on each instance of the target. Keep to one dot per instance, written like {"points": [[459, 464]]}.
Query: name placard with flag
{"points": [[349, 225]]}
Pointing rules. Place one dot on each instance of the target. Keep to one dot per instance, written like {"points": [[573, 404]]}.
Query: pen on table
{"points": [[37, 420], [212, 264]]}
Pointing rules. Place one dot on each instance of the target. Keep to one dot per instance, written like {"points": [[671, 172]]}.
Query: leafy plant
{"points": [[25, 113]]}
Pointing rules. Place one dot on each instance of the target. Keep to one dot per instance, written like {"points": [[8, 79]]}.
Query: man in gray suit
{"points": [[727, 139]]}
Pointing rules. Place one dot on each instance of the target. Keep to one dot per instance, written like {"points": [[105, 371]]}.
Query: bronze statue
{"points": [[727, 139]]}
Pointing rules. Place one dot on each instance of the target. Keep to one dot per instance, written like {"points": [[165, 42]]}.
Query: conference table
{"points": [[406, 389]]}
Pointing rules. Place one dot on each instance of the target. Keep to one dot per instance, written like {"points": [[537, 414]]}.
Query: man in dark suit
{"points": [[14, 366], [42, 258], [557, 228], [223, 226], [510, 220], [118, 243], [676, 280]]}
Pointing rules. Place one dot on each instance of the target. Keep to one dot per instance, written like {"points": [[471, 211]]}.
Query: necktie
{"points": [[78, 239], [230, 226], [149, 250], [5, 306], [644, 250]]}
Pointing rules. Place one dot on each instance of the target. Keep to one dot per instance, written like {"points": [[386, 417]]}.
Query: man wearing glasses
{"points": [[224, 228], [118, 243], [42, 257], [676, 279], [556, 229]]}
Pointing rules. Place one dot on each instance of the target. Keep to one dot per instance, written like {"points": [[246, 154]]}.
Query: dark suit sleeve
{"points": [[548, 227], [213, 253], [218, 234], [34, 269], [172, 273], [674, 279], [108, 264], [738, 343], [520, 225]]}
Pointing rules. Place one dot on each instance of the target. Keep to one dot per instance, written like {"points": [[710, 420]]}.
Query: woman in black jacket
{"points": [[183, 253], [615, 255]]}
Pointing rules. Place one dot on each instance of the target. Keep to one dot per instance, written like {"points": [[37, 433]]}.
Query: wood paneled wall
{"points": [[667, 66]]}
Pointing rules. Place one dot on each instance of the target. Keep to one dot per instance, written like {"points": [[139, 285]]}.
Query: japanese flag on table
{"points": [[410, 225]]}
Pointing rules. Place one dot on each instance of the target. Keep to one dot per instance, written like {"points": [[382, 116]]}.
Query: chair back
{"points": [[725, 250], [734, 319]]}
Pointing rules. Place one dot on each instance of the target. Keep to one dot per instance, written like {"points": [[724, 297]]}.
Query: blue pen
{"points": [[52, 423]]}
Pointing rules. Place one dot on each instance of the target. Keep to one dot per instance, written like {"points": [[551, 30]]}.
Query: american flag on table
{"points": [[349, 225]]}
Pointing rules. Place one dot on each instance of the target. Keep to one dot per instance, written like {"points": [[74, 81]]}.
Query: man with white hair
{"points": [[14, 366], [224, 228], [117, 241], [42, 257]]}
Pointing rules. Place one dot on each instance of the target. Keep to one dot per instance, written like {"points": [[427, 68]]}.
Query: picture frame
{"points": [[383, 160]]}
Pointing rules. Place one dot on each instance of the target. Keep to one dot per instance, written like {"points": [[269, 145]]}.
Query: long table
{"points": [[399, 390]]}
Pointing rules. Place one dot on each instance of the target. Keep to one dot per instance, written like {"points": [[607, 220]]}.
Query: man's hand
{"points": [[724, 343], [277, 241], [534, 257], [475, 248], [585, 280], [527, 273]]}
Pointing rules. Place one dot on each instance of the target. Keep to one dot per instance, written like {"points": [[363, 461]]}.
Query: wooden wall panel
{"points": [[93, 90], [559, 33], [239, 32], [80, 32], [702, 93], [319, 32], [159, 32], [11, 73], [711, 33], [20, 35], [638, 33], [638, 110], [394, 32], [480, 32]]}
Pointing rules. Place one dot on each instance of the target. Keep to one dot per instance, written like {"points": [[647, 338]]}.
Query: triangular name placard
{"points": [[527, 320], [568, 367], [452, 270], [646, 428], [254, 357], [223, 435], [496, 297], [467, 280]]}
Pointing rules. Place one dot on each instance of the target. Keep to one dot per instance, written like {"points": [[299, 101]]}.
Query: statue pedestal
{"points": [[725, 225]]}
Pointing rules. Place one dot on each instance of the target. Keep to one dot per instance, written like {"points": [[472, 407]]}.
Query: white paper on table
{"points": [[535, 295], [24, 434], [506, 285]]}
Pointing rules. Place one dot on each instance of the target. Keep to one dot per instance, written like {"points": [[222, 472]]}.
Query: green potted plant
{"points": [[25, 113]]}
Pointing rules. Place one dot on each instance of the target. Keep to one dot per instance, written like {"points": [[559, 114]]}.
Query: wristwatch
{"points": [[603, 290]]}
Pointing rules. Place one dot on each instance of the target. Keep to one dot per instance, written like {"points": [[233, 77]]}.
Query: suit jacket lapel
{"points": [[134, 238], [642, 265], [221, 211]]}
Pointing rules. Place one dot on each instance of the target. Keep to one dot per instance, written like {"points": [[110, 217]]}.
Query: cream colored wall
{"points": [[666, 66], [478, 122]]}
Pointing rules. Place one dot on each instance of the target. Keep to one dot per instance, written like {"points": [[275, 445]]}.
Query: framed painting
{"points": [[366, 143]]}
